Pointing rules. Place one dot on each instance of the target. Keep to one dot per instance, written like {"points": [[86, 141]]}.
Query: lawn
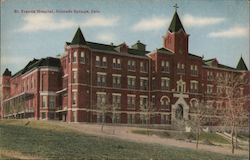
{"points": [[47, 141], [204, 137]]}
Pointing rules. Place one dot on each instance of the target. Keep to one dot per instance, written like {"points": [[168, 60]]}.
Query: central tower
{"points": [[176, 39]]}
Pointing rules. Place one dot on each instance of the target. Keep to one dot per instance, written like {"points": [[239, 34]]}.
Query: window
{"points": [[181, 86], [143, 67], [51, 102], [144, 83], [165, 83], [131, 82], [194, 86], [104, 62], [143, 102], [131, 65], [100, 62], [209, 75], [194, 70], [74, 94], [180, 68], [44, 102], [193, 103], [116, 100], [131, 101], [209, 89], [219, 90], [131, 118], [116, 63], [101, 79], [101, 98], [74, 80], [82, 57], [74, 57], [164, 66], [165, 103], [116, 81]]}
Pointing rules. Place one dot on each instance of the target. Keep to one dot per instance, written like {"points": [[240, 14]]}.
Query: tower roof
{"points": [[7, 72], [241, 65], [175, 24], [78, 38]]}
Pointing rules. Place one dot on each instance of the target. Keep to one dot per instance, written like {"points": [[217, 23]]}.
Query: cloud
{"points": [[106, 37], [100, 21], [152, 23], [193, 21], [17, 60], [232, 32], [39, 22], [45, 22]]}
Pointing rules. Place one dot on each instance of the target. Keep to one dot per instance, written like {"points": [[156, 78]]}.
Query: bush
{"points": [[191, 136]]}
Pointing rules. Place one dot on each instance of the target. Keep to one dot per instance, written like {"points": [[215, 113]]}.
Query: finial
{"points": [[175, 6]]}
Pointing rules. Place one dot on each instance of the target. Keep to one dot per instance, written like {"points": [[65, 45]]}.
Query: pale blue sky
{"points": [[217, 28]]}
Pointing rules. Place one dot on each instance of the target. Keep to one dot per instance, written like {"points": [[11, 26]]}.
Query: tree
{"points": [[230, 91], [199, 116], [103, 108], [148, 109], [114, 109]]}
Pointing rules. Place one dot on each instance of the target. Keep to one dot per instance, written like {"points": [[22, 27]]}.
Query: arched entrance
{"points": [[179, 112]]}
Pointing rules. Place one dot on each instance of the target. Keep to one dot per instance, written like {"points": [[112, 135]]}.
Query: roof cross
{"points": [[175, 6]]}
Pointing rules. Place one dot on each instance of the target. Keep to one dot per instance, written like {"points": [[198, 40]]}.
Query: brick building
{"points": [[123, 82]]}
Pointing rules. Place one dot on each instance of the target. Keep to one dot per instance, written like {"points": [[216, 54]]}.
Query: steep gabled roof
{"points": [[241, 65], [176, 24], [7, 72], [78, 38]]}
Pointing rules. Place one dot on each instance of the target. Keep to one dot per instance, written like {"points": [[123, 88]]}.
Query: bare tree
{"points": [[103, 109], [199, 116], [114, 109], [230, 91], [149, 110]]}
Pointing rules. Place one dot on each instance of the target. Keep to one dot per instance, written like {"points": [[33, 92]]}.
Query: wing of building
{"points": [[92, 81]]}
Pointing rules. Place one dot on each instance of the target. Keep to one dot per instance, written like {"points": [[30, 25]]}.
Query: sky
{"points": [[39, 28]]}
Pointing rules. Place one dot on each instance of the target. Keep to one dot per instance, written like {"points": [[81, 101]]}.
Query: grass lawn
{"points": [[41, 139], [211, 137]]}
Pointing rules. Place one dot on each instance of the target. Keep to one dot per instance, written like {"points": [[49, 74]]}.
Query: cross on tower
{"points": [[175, 6]]}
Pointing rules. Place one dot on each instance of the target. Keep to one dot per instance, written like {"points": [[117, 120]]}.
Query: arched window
{"points": [[165, 103], [193, 103]]}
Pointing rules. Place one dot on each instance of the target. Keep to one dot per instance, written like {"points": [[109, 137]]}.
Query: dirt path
{"points": [[126, 134]]}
